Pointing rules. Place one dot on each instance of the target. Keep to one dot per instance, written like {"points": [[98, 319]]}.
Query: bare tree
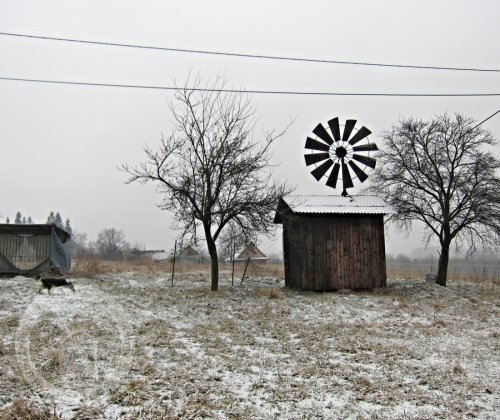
{"points": [[111, 243], [440, 173], [78, 244], [210, 170], [232, 239]]}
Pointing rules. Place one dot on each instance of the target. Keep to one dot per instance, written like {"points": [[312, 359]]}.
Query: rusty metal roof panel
{"points": [[336, 204]]}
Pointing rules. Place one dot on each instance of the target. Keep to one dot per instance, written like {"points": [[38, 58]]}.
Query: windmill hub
{"points": [[336, 154], [340, 152]]}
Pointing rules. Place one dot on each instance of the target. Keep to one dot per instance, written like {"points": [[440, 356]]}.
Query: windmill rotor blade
{"points": [[321, 132], [365, 147], [365, 160], [316, 145], [346, 176], [360, 135], [334, 175], [335, 128], [321, 170], [315, 158], [358, 171], [349, 125]]}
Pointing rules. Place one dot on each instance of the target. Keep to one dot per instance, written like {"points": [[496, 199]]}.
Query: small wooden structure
{"points": [[333, 242], [255, 254], [33, 249]]}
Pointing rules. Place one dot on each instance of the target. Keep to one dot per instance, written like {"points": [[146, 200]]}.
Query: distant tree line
{"points": [[53, 218], [110, 244], [20, 219]]}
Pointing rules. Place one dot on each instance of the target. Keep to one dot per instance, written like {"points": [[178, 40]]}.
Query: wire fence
{"points": [[234, 272], [460, 269]]}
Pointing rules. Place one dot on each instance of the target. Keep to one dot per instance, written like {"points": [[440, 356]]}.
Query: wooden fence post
{"points": [[245, 271], [173, 265]]}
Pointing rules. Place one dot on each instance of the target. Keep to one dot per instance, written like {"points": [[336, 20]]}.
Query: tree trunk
{"points": [[444, 257], [212, 250]]}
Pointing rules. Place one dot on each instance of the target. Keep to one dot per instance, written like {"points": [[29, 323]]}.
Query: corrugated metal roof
{"points": [[336, 204], [34, 229]]}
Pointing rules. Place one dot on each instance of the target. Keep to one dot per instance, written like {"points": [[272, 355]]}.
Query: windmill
{"points": [[334, 242], [341, 152]]}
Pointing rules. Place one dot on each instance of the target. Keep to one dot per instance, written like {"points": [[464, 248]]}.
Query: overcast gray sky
{"points": [[61, 145]]}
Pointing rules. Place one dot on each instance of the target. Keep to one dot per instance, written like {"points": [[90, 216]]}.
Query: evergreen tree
{"points": [[67, 227], [58, 221], [30, 220], [24, 220], [7, 221], [51, 219], [19, 218]]}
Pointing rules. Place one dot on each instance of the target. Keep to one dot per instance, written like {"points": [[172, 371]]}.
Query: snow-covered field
{"points": [[130, 346]]}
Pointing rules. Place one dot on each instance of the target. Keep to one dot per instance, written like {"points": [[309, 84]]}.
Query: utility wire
{"points": [[266, 92], [258, 56], [486, 119]]}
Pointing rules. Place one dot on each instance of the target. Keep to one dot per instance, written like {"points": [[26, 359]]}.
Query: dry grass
{"points": [[4, 304], [473, 277], [274, 294], [55, 359], [131, 346], [88, 268], [10, 322], [91, 268], [22, 409], [88, 411], [135, 392], [5, 349]]}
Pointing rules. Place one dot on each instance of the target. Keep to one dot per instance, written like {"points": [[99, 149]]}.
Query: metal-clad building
{"points": [[333, 242], [33, 249]]}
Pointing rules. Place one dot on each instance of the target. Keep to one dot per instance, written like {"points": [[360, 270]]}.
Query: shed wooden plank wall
{"points": [[334, 252]]}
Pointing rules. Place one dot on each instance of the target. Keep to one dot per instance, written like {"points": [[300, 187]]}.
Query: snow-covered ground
{"points": [[130, 346]]}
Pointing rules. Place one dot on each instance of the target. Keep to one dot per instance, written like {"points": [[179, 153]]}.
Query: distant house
{"points": [[33, 249], [189, 255], [255, 254]]}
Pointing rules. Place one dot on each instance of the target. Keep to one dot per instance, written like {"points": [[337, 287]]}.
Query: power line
{"points": [[265, 92], [258, 56], [486, 119], [470, 130]]}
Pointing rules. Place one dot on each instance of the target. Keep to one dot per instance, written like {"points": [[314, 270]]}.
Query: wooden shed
{"points": [[333, 242], [33, 249]]}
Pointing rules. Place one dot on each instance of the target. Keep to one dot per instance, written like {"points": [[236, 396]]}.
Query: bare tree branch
{"points": [[439, 172], [210, 171]]}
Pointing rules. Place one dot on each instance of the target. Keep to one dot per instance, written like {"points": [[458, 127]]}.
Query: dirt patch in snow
{"points": [[130, 346]]}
